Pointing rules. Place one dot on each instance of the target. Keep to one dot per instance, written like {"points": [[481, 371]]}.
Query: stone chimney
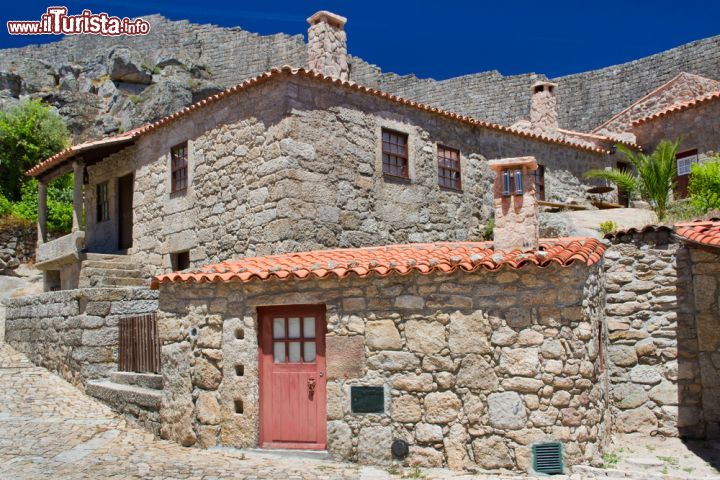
{"points": [[543, 107], [327, 45], [516, 217]]}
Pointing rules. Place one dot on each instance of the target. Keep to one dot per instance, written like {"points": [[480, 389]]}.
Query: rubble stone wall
{"points": [[706, 287], [697, 128], [652, 357], [74, 333], [475, 366], [17, 245]]}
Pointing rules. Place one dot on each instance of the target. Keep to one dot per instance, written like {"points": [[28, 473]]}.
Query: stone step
{"points": [[111, 272], [101, 256], [104, 264], [145, 380], [122, 282], [119, 395]]}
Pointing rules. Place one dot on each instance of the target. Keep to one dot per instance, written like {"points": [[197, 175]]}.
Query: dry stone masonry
{"points": [[475, 367], [74, 333]]}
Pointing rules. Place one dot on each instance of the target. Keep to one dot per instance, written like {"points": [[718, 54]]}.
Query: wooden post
{"points": [[77, 196], [42, 212]]}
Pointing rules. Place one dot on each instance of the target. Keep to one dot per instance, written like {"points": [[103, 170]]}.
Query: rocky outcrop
{"points": [[204, 58]]}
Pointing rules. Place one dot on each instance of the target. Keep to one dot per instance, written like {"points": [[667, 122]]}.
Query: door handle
{"points": [[311, 386]]}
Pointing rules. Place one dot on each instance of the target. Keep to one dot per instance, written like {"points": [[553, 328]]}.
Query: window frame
{"points": [[447, 168], [405, 156], [686, 155], [178, 165], [102, 202]]}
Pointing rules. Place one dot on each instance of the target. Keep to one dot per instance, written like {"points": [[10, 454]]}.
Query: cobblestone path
{"points": [[50, 429]]}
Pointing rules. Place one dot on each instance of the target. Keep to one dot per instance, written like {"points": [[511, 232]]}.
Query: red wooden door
{"points": [[292, 377]]}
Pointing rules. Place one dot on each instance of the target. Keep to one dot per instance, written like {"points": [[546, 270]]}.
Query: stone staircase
{"points": [[135, 394], [108, 271]]}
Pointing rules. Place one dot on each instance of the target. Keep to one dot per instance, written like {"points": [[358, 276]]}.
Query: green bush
{"points": [[59, 204], [5, 206], [704, 186], [682, 211], [29, 133], [608, 227]]}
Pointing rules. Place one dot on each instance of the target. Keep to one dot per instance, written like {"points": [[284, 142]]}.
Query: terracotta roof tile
{"points": [[286, 70], [634, 230], [706, 232], [424, 258], [678, 107]]}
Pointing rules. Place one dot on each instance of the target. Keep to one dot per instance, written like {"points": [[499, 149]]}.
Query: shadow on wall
{"points": [[662, 317]]}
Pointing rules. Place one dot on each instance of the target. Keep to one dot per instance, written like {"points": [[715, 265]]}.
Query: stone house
{"points": [[468, 355], [297, 160], [684, 108]]}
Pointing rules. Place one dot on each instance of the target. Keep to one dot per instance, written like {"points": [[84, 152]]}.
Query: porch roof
{"points": [[423, 258]]}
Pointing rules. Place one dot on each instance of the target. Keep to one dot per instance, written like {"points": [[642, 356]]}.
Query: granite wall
{"points": [[475, 366], [662, 317], [74, 333]]}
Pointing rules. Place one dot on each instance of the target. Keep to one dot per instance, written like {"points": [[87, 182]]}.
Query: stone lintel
{"points": [[328, 17], [516, 162]]}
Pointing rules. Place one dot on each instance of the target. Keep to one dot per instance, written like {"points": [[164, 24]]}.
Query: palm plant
{"points": [[654, 176]]}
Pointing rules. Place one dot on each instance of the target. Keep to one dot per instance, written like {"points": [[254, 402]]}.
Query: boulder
{"points": [[506, 411], [126, 65]]}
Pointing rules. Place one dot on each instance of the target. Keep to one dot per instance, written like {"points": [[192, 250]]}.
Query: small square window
{"points": [[685, 161], [180, 261], [449, 168], [179, 170], [102, 205], [395, 154]]}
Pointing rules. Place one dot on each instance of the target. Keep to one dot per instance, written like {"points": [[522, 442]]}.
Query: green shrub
{"points": [[704, 186], [5, 206], [29, 133], [59, 204], [608, 226]]}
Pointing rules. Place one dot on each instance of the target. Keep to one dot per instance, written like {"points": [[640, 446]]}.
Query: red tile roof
{"points": [[705, 232], [679, 107], [423, 258], [633, 230], [286, 70]]}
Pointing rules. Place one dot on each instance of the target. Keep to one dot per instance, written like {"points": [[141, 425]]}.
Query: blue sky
{"points": [[444, 38]]}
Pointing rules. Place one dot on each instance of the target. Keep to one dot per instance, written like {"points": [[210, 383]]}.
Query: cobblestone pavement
{"points": [[50, 429]]}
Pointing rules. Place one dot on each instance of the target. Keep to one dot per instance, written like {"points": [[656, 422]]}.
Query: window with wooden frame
{"points": [[395, 154], [684, 161], [179, 167], [449, 168], [539, 177], [102, 204]]}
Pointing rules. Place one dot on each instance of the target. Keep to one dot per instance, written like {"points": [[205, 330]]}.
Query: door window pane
{"points": [[293, 327], [309, 351], [278, 328], [294, 353], [309, 327], [279, 352]]}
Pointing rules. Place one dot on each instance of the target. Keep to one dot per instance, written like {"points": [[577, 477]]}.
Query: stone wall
{"points": [[475, 366], [295, 165], [17, 245], [706, 286], [652, 357], [697, 128], [74, 333]]}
